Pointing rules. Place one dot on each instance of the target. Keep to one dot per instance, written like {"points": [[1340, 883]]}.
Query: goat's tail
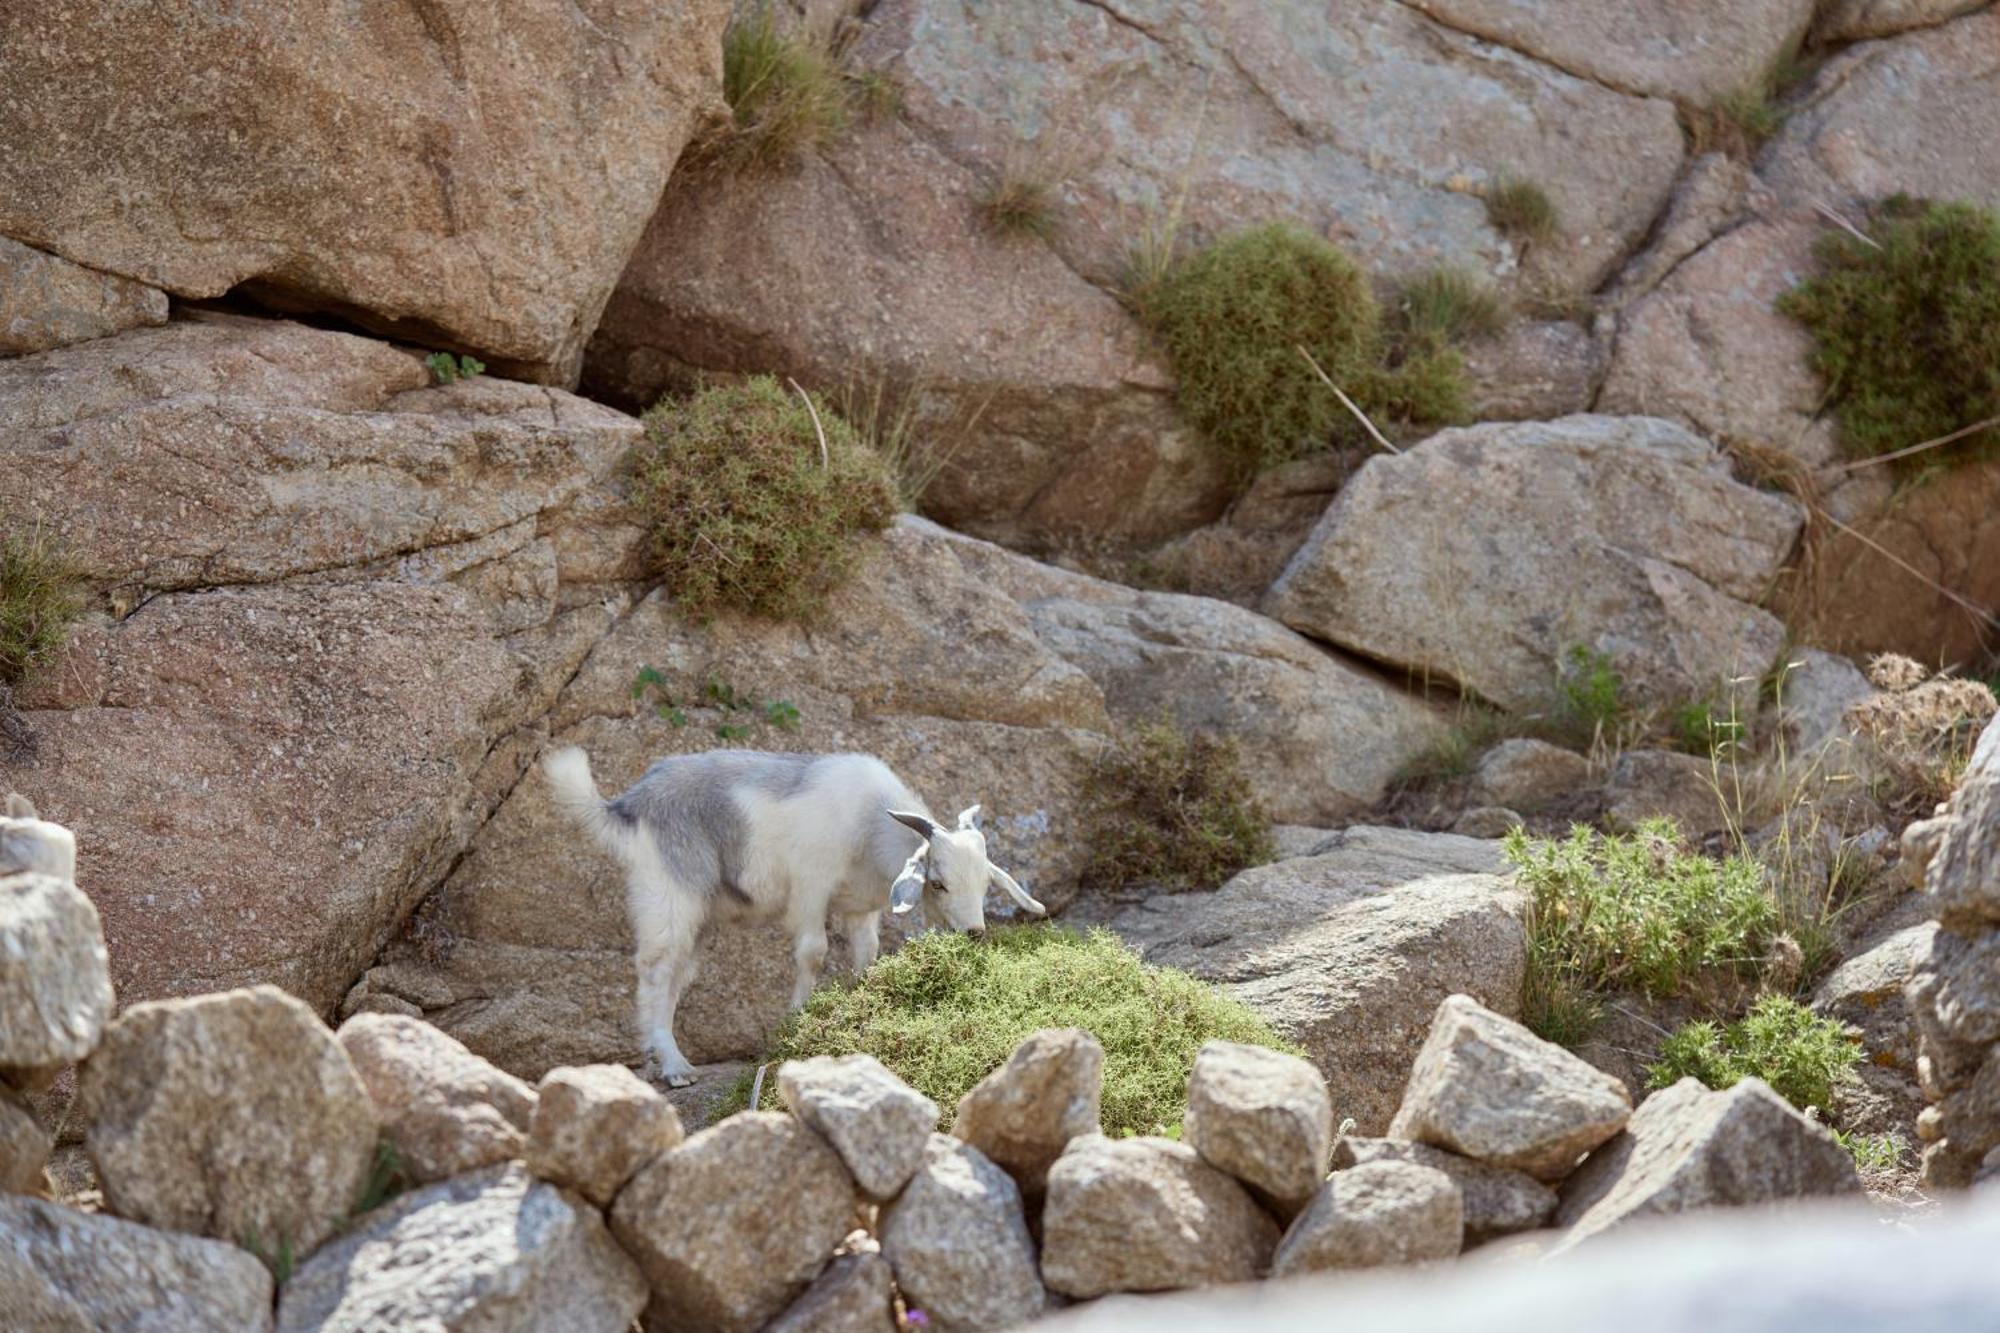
{"points": [[576, 793]]}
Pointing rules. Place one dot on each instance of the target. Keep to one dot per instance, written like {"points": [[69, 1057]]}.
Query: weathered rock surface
{"points": [[731, 1226], [1018, 348], [46, 301], [473, 178], [1664, 784], [1963, 878], [55, 978], [943, 655], [1487, 1088], [61, 1268], [496, 1249], [1263, 1117], [876, 1122], [1350, 952], [1687, 1147], [1236, 557], [851, 1296], [958, 1241], [1023, 1114], [1487, 554], [1497, 1201], [1533, 371], [1817, 689], [24, 1147], [444, 1109], [235, 1115], [1866, 990], [1147, 1214], [594, 1126], [1371, 1215], [1662, 48], [1851, 20], [1522, 773]]}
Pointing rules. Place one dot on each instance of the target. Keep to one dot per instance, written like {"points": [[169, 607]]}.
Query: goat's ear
{"points": [[20, 807], [1022, 898], [968, 818], [921, 823], [908, 888]]}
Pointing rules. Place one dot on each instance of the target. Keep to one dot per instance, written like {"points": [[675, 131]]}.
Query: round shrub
{"points": [[1171, 810], [1233, 317], [744, 514], [1907, 331], [40, 595], [946, 1010]]}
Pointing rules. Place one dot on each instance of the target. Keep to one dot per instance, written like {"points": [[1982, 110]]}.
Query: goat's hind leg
{"points": [[863, 932], [666, 924]]}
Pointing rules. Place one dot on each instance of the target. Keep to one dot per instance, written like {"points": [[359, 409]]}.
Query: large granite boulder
{"points": [[1263, 1117], [1349, 953], [46, 301], [472, 177], [1489, 554]]}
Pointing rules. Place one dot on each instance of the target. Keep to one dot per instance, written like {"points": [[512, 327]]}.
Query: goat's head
{"points": [[950, 872], [31, 844]]}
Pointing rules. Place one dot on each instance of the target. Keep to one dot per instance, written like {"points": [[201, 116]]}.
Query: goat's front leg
{"points": [[808, 954], [864, 939], [664, 976]]}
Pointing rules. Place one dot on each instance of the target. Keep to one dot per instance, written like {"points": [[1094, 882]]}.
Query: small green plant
{"points": [[755, 499], [1173, 810], [1639, 912], [1874, 1154], [1741, 121], [1593, 691], [1522, 209], [448, 369], [739, 712], [1445, 305], [876, 93], [946, 1009], [1021, 201], [279, 1260], [1800, 1054], [1239, 320], [41, 594], [388, 1176], [1906, 329], [786, 92]]}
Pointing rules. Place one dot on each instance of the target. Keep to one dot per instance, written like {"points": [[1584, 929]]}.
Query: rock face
{"points": [[1023, 1114], [731, 1226], [1523, 774], [595, 1126], [1954, 996], [1350, 952], [446, 1110], [1851, 20], [55, 978], [46, 301], [1263, 1117], [218, 746], [851, 1296], [1018, 345], [876, 1122], [61, 1268], [1497, 1201], [24, 1147], [493, 1249], [235, 1116], [1487, 554], [1371, 1215], [1147, 1214], [475, 179], [1487, 1088], [959, 1244], [1663, 784], [1687, 1147], [944, 655]]}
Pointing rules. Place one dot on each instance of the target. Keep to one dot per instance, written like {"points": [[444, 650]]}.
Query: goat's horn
{"points": [[921, 823]]}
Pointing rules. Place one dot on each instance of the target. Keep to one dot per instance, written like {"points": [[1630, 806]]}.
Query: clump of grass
{"points": [[1906, 330], [388, 1176], [745, 511], [1234, 318], [786, 92], [1918, 730], [1173, 810], [1641, 912], [1446, 305], [1522, 209], [946, 1010], [1021, 201], [1800, 1054], [1741, 121], [41, 594]]}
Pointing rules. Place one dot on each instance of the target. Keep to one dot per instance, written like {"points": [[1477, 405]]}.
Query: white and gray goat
{"points": [[743, 835]]}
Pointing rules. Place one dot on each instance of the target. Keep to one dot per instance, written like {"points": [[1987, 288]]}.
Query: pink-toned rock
{"points": [[445, 1110], [46, 301]]}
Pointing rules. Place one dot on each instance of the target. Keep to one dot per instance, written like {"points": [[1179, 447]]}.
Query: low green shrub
{"points": [[744, 512], [40, 596], [946, 1010], [1906, 330], [786, 92], [1800, 1054], [1639, 912], [1169, 809], [1233, 318], [1522, 209]]}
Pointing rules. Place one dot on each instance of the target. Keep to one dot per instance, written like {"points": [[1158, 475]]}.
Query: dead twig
{"points": [[1347, 402], [1938, 443], [818, 429], [1826, 211], [757, 1087]]}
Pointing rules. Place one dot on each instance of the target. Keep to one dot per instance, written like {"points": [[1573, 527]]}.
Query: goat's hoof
{"points": [[679, 1080]]}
